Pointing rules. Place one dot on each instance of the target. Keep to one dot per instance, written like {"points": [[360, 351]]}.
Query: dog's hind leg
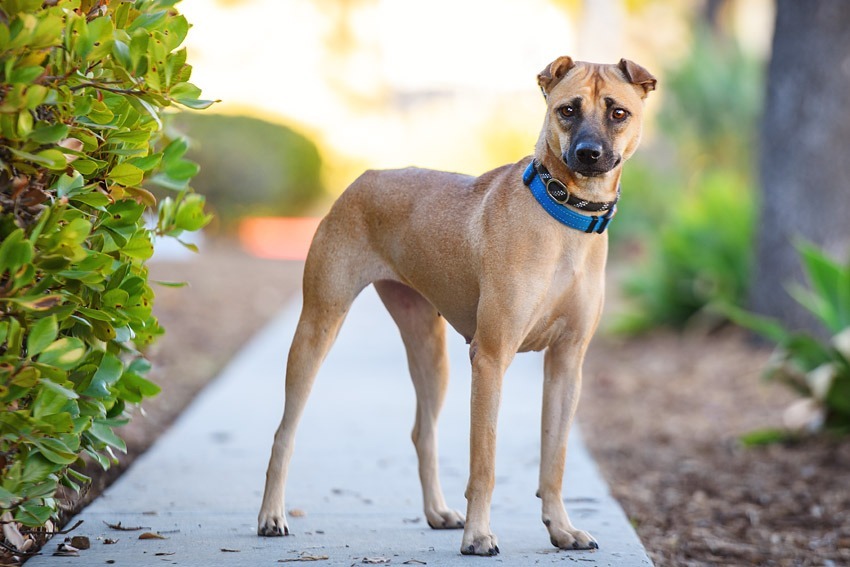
{"points": [[424, 334], [332, 280]]}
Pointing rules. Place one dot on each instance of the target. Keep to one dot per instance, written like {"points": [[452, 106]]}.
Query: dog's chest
{"points": [[569, 307]]}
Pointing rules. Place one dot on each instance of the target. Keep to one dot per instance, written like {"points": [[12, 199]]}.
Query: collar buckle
{"points": [[557, 190]]}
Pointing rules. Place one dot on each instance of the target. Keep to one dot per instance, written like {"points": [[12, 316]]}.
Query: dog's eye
{"points": [[619, 114], [567, 111]]}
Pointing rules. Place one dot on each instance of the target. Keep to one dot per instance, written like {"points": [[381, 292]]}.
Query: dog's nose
{"points": [[588, 153]]}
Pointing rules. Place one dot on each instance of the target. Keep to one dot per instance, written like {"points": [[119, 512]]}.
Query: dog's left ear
{"points": [[637, 75], [553, 73]]}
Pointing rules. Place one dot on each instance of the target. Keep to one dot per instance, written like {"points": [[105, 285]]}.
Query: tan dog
{"points": [[486, 255]]}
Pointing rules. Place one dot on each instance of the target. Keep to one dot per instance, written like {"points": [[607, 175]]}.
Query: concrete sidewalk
{"points": [[354, 474]]}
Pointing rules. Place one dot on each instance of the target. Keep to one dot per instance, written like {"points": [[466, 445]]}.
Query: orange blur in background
{"points": [[278, 238]]}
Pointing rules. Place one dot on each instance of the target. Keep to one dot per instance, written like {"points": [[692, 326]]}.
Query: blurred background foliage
{"points": [[690, 201], [252, 167], [371, 96]]}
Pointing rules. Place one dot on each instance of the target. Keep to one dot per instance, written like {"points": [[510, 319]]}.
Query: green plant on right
{"points": [[818, 369]]}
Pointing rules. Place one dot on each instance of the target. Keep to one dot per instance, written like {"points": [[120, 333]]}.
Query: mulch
{"points": [[662, 415]]}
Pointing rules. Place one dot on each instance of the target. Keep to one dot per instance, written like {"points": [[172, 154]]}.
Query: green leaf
{"points": [[838, 396], [33, 515], [53, 159], [139, 246], [46, 158], [100, 113], [26, 74], [49, 401], [49, 134], [26, 377], [146, 163], [42, 334], [104, 433], [68, 185], [770, 329], [108, 373], [126, 174], [15, 251], [95, 200], [198, 104], [121, 52], [182, 170], [88, 166], [152, 21], [37, 468], [64, 353], [765, 437], [135, 383], [171, 284], [190, 213], [59, 389], [36, 302], [807, 351], [55, 451]]}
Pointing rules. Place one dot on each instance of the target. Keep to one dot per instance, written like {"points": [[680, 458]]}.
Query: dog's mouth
{"points": [[591, 167]]}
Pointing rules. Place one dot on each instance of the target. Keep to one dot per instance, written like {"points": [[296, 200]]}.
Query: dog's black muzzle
{"points": [[590, 157]]}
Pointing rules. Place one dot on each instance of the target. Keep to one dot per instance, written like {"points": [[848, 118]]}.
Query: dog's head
{"points": [[594, 115]]}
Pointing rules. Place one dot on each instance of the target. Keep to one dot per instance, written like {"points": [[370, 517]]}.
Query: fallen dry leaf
{"points": [[110, 541], [71, 144], [10, 531], [118, 526], [297, 513], [66, 550], [80, 542], [376, 560], [151, 535], [161, 553], [224, 549], [414, 562], [304, 558]]}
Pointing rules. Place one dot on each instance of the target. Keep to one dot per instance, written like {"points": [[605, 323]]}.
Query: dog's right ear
{"points": [[553, 73]]}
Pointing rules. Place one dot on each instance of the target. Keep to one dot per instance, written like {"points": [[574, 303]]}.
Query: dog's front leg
{"points": [[488, 368], [561, 388]]}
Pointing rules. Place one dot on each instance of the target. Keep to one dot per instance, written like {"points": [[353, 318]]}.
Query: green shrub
{"points": [[83, 86], [712, 101], [817, 369], [700, 254], [691, 211], [252, 167]]}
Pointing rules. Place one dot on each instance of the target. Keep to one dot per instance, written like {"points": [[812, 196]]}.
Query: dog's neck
{"points": [[601, 188]]}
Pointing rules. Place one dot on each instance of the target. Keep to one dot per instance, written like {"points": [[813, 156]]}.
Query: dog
{"points": [[513, 260]]}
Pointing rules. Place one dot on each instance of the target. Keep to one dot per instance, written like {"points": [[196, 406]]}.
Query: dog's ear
{"points": [[553, 73], [637, 75]]}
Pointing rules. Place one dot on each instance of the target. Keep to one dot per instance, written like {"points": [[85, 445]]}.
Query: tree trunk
{"points": [[805, 150]]}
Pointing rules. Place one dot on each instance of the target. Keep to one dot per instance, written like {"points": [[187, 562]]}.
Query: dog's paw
{"points": [[446, 519], [480, 545], [272, 525], [572, 539]]}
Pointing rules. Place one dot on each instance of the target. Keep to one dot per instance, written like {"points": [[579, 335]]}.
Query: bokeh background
{"points": [[744, 154], [315, 91], [350, 84]]}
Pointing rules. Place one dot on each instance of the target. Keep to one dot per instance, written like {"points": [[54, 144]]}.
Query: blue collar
{"points": [[565, 215]]}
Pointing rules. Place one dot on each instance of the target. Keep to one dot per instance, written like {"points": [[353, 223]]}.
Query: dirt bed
{"points": [[662, 416]]}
